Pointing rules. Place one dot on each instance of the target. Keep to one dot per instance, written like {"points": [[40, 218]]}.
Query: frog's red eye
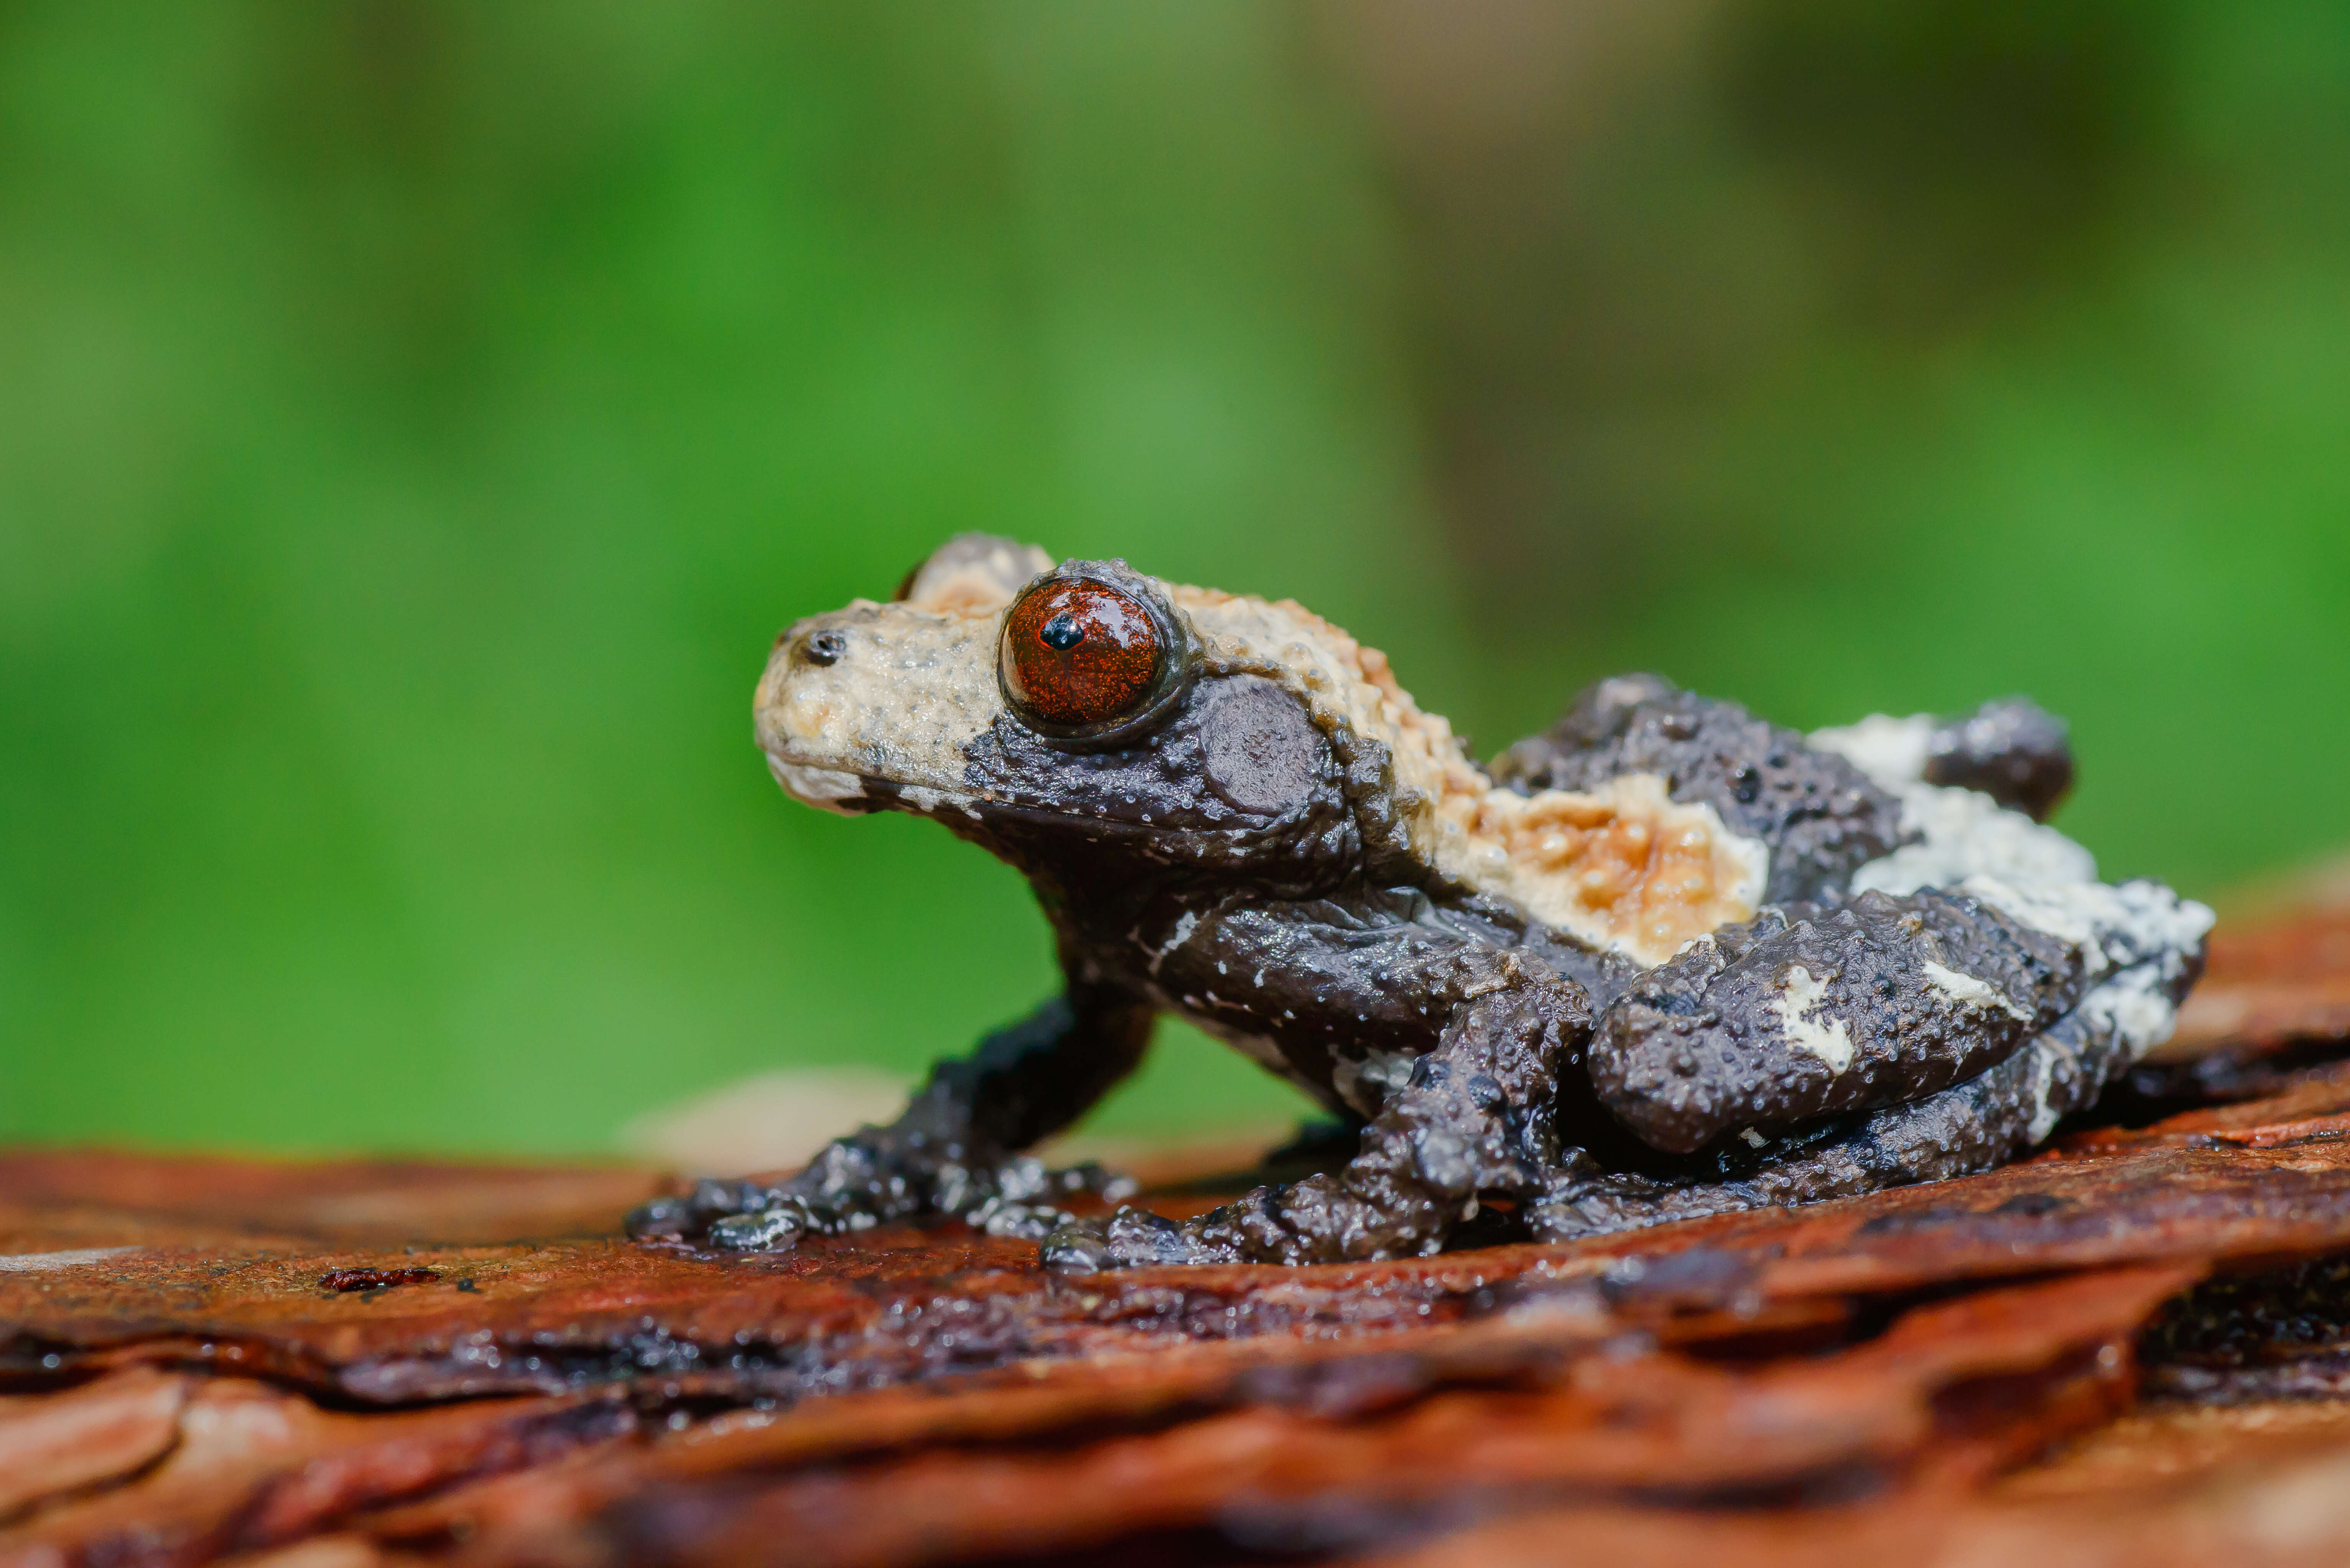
{"points": [[1079, 654]]}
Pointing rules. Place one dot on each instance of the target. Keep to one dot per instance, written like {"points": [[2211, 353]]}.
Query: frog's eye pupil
{"points": [[1078, 654]]}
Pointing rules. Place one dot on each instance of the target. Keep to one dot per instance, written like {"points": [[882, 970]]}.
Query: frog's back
{"points": [[1820, 817]]}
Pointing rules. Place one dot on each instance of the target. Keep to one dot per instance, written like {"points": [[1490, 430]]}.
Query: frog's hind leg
{"points": [[2140, 943], [2010, 749], [1808, 1013], [1971, 1126]]}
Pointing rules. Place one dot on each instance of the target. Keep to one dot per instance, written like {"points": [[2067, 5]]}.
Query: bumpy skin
{"points": [[1475, 1118], [1707, 1043], [1822, 818], [1981, 1123], [2010, 750], [1925, 984]]}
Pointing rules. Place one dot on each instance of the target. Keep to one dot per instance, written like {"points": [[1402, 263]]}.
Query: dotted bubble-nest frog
{"points": [[1664, 959]]}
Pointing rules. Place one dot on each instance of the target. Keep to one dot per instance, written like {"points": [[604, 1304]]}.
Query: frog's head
{"points": [[1034, 705], [1084, 720]]}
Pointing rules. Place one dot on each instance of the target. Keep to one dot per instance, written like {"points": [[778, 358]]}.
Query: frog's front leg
{"points": [[1477, 1116], [954, 1151]]}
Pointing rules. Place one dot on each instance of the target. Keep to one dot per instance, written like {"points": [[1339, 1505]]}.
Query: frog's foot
{"points": [[1588, 1204], [1318, 1221], [1021, 1198], [1129, 1239], [852, 1186], [739, 1206]]}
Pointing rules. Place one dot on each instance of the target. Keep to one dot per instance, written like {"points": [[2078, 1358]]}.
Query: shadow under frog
{"points": [[1665, 960]]}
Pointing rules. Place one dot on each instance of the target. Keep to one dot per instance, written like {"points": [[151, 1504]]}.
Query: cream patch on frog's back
{"points": [[1626, 867]]}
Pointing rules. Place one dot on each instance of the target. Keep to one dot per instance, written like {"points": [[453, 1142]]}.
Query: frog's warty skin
{"points": [[1810, 1012], [1665, 958]]}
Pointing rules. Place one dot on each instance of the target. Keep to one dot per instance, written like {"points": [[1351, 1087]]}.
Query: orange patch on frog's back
{"points": [[1626, 867]]}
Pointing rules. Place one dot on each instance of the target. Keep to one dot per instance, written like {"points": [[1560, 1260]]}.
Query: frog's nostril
{"points": [[824, 648]]}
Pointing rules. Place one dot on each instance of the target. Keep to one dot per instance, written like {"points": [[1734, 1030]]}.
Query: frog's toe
{"points": [[733, 1216], [681, 1217], [1019, 1221], [1589, 1205], [662, 1220], [775, 1229], [1129, 1239], [1075, 1247]]}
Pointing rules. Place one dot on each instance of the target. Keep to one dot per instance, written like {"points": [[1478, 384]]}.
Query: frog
{"points": [[1662, 960]]}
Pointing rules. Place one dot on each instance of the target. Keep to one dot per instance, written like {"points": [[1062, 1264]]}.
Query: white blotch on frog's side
{"points": [[1973, 990], [2134, 1006], [1185, 924], [823, 788], [2141, 934], [1799, 993], [1962, 832], [2045, 1114], [1892, 752], [2136, 940], [1366, 1084]]}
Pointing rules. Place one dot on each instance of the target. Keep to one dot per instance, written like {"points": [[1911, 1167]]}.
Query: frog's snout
{"points": [[876, 694]]}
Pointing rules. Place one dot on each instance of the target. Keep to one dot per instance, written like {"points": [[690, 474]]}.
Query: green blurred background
{"points": [[417, 419]]}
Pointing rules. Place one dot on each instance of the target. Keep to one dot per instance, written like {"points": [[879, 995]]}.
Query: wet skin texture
{"points": [[1205, 840]]}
